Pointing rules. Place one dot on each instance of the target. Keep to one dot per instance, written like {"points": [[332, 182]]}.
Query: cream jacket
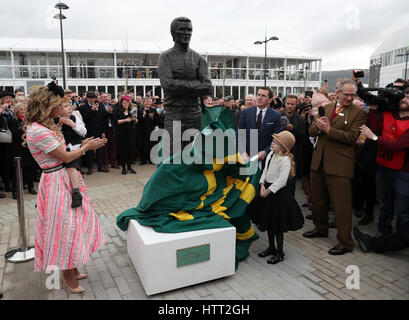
{"points": [[277, 172]]}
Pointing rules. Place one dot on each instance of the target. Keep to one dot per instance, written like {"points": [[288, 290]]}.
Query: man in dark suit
{"points": [[262, 118], [110, 125], [93, 117], [332, 166]]}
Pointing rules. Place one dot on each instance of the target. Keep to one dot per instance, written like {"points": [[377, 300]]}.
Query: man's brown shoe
{"points": [[339, 249], [2, 195], [315, 234]]}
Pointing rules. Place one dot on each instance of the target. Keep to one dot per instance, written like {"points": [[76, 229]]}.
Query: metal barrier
{"points": [[24, 253]]}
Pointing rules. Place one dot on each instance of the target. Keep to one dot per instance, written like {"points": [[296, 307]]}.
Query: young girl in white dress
{"points": [[275, 210]]}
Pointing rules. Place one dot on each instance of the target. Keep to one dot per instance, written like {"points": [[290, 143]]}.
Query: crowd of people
{"points": [[339, 172], [127, 123]]}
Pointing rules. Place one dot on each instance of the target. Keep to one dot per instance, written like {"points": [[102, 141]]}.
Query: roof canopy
{"points": [[398, 40]]}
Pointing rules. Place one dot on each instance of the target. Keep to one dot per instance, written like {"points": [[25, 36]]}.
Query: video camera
{"points": [[388, 98]]}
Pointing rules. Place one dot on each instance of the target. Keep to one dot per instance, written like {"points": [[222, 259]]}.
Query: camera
{"points": [[284, 121], [134, 112], [308, 94], [388, 98], [358, 74]]}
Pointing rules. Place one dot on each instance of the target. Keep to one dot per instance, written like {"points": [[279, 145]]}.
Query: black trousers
{"points": [[6, 164], [125, 160], [100, 158], [392, 242], [364, 191]]}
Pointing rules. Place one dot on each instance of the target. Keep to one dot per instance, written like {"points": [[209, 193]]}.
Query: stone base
{"points": [[167, 261]]}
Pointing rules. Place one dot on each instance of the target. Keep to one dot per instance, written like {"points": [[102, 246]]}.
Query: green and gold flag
{"points": [[188, 197]]}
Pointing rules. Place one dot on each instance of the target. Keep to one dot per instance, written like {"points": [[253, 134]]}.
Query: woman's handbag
{"points": [[5, 136]]}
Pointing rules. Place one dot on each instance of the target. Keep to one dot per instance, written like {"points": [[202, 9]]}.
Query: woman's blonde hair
{"points": [[323, 91], [40, 104], [285, 153], [17, 108]]}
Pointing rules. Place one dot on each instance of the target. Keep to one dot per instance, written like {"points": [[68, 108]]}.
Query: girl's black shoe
{"points": [[124, 171], [276, 259], [132, 171], [76, 200], [267, 252]]}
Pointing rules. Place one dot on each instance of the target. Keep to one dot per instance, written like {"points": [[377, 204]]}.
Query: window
{"points": [[81, 90], [111, 91], [139, 91], [243, 92], [6, 72], [147, 89], [219, 91], [101, 89], [5, 58], [227, 91], [92, 88], [235, 92], [158, 91]]}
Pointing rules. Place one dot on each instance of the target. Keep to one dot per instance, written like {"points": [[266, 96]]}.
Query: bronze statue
{"points": [[184, 78]]}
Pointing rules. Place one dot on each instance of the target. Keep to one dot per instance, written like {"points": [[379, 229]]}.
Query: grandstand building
{"points": [[112, 66], [386, 66]]}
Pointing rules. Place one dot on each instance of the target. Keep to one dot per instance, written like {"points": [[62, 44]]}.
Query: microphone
{"points": [[321, 111]]}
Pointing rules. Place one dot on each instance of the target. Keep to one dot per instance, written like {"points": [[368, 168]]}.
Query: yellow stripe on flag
{"points": [[245, 236], [182, 216]]}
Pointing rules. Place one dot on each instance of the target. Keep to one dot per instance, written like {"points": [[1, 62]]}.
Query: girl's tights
{"points": [[279, 239]]}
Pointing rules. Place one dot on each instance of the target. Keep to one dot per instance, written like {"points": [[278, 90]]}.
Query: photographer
{"points": [[296, 125], [390, 117]]}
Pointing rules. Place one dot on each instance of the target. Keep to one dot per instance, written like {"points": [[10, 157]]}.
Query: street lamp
{"points": [[265, 55], [406, 63], [61, 6]]}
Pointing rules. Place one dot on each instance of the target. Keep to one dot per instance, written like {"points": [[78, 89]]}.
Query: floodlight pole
{"points": [[62, 6], [265, 55]]}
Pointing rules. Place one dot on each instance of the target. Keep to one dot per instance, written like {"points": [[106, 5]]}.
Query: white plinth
{"points": [[154, 256]]}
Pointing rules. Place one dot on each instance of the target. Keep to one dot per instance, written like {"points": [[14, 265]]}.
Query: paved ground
{"points": [[307, 273]]}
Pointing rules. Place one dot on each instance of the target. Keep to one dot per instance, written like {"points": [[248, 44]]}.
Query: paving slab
{"points": [[307, 273]]}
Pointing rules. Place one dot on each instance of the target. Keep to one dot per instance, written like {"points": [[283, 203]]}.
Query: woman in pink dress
{"points": [[65, 237]]}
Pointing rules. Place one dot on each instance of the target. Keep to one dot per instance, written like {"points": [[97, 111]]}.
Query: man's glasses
{"points": [[351, 95]]}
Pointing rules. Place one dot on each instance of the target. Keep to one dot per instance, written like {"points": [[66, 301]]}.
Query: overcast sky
{"points": [[343, 32]]}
